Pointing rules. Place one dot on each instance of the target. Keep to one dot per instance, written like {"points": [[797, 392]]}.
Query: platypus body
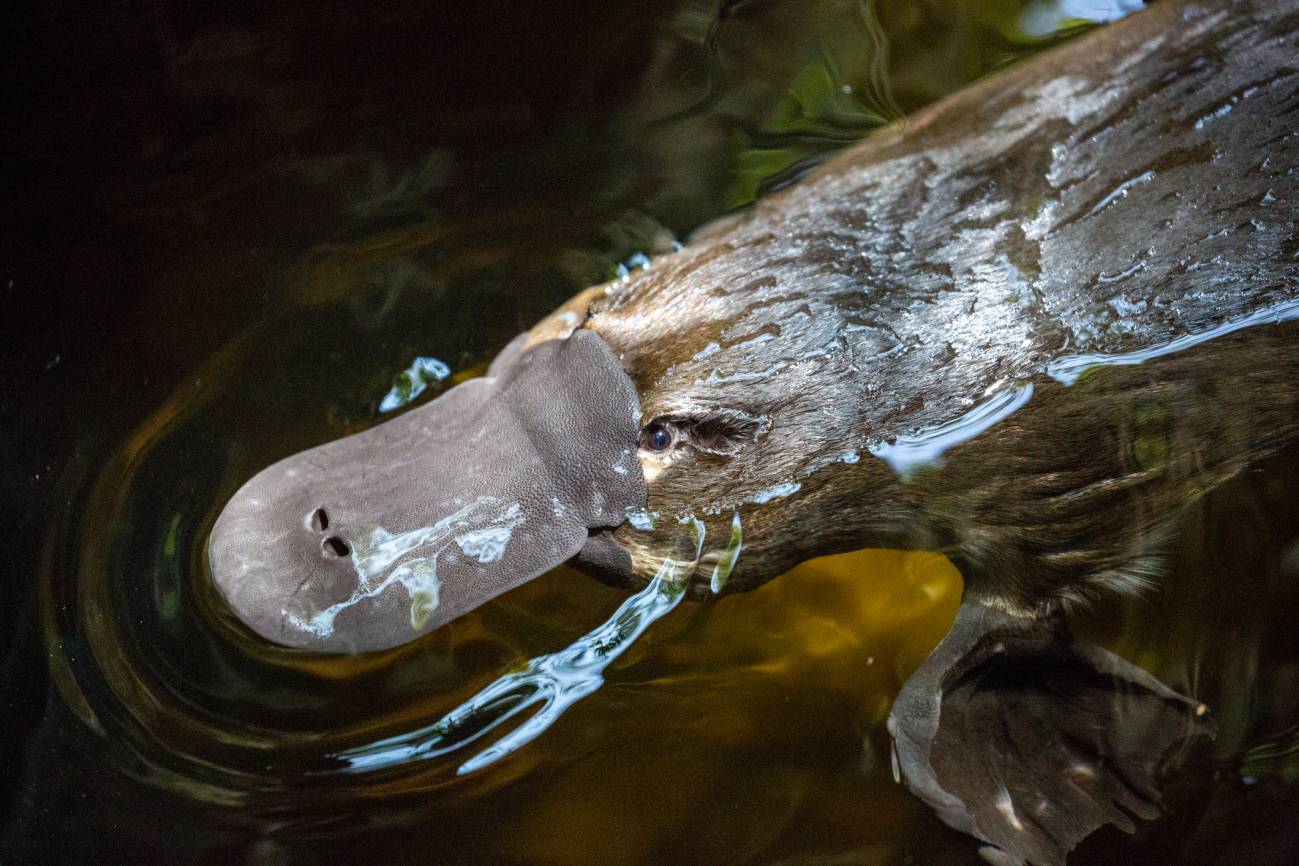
{"points": [[1024, 328]]}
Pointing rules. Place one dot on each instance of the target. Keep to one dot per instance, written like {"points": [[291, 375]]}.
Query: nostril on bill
{"points": [[335, 546], [319, 520]]}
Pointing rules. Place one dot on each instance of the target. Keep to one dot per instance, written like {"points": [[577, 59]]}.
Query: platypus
{"points": [[1026, 327]]}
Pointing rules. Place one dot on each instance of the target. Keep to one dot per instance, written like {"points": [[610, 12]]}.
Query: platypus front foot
{"points": [[1029, 740]]}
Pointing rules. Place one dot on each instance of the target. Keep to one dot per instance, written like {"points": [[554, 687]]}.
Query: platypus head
{"points": [[372, 540], [662, 417], [755, 410]]}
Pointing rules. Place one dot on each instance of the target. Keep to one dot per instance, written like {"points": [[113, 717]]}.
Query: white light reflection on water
{"points": [[1067, 370], [481, 529], [555, 681], [906, 454], [1049, 17], [413, 381]]}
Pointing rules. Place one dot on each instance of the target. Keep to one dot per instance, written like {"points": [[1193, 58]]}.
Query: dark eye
{"points": [[656, 437]]}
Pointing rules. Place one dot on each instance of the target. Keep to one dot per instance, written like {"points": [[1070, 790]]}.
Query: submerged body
{"points": [[1025, 328], [1092, 208]]}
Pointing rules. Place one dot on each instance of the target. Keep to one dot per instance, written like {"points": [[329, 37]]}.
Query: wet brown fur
{"points": [[1140, 184]]}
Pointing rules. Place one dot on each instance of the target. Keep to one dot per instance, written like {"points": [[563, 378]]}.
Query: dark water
{"points": [[229, 228]]}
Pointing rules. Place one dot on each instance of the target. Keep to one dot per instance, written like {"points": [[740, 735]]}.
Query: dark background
{"points": [[373, 179]]}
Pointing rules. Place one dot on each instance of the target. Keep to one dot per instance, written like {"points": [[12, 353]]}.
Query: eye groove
{"points": [[319, 520]]}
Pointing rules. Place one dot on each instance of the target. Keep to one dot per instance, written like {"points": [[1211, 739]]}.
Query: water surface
{"points": [[230, 232]]}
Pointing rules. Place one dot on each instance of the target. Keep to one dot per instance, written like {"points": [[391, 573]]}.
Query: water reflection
{"points": [[413, 381], [1048, 16], [1069, 369], [556, 681], [908, 453]]}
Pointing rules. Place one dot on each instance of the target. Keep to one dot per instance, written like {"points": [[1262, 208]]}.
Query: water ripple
{"points": [[556, 681]]}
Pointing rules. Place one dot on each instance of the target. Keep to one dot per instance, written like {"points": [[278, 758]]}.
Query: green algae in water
{"points": [[413, 381], [423, 603], [1152, 428], [722, 570], [169, 546]]}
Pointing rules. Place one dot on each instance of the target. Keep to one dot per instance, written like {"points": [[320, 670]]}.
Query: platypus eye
{"points": [[655, 437], [719, 432]]}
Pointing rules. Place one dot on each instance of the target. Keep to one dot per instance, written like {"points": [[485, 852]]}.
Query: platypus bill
{"points": [[1026, 328]]}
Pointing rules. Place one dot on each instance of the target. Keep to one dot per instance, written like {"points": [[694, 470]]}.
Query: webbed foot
{"points": [[1029, 740]]}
